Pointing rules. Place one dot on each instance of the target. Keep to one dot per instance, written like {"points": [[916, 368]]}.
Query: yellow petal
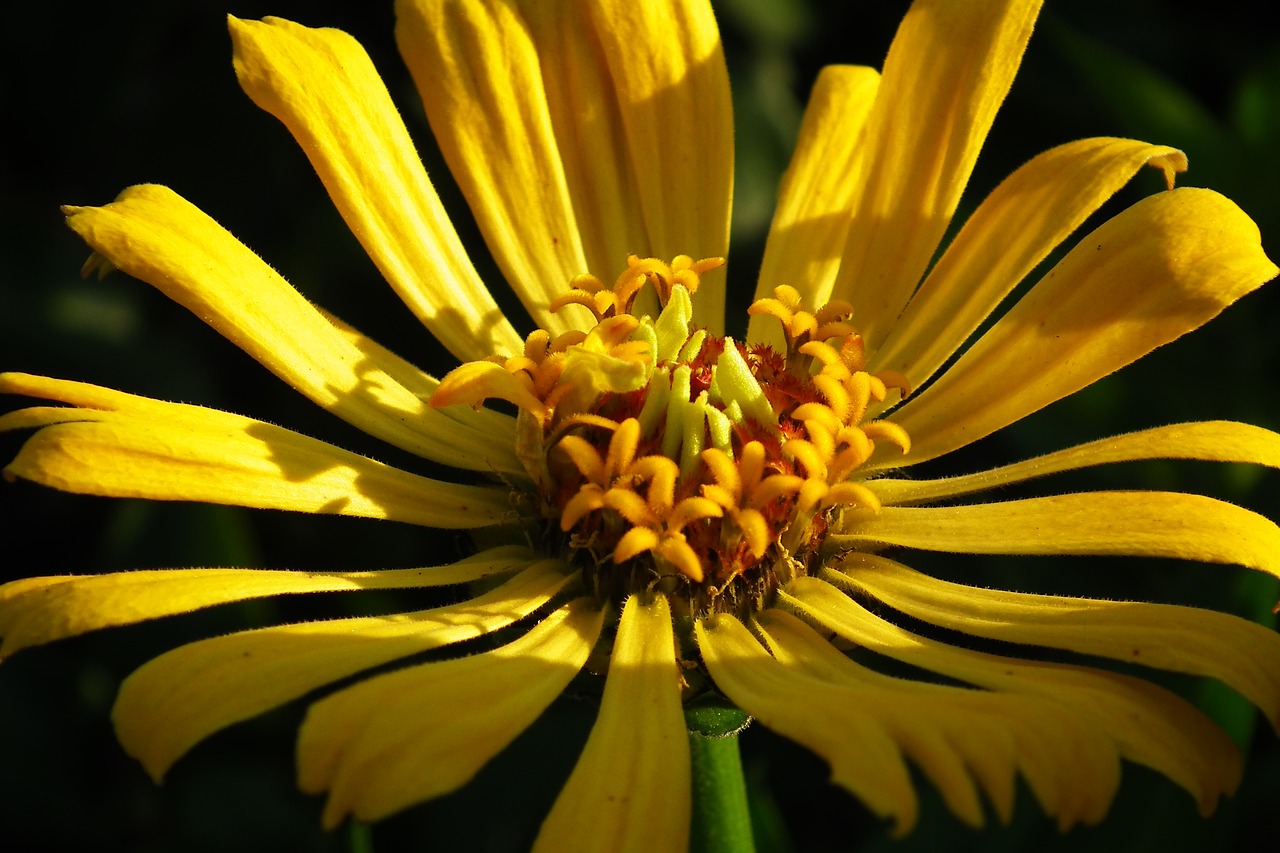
{"points": [[1213, 441], [173, 702], [587, 121], [817, 193], [40, 610], [155, 235], [947, 72], [322, 86], [477, 73], [667, 67], [863, 756], [1148, 724], [1013, 230], [1148, 524], [1242, 654], [1072, 768], [416, 733], [1163, 267], [630, 790], [498, 429], [216, 457]]}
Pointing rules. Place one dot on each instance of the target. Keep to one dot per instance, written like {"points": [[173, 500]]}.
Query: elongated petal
{"points": [[417, 733], [497, 428], [587, 121], [174, 701], [1070, 765], [1165, 266], [216, 457], [924, 736], [477, 73], [668, 70], [322, 86], [155, 235], [1149, 725], [1242, 654], [816, 198], [1013, 230], [40, 610], [1212, 441], [1150, 524], [947, 72], [630, 790], [863, 756]]}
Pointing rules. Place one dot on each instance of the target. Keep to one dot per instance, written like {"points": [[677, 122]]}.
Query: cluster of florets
{"points": [[664, 456]]}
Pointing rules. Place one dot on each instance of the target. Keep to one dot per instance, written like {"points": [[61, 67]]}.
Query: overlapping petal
{"points": [[864, 757], [1163, 267], [587, 121], [498, 430], [155, 235], [399, 738], [947, 72], [321, 84], [174, 701], [956, 733], [171, 451], [667, 67], [34, 611], [1071, 767], [863, 722], [630, 790], [1149, 725], [1013, 230], [478, 75], [817, 194], [1214, 441], [1150, 524], [1240, 653]]}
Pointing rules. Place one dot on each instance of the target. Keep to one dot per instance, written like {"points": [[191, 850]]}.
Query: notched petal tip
{"points": [[241, 28], [1171, 163], [1160, 269], [99, 265]]}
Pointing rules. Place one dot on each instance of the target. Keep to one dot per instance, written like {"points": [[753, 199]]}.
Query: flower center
{"points": [[660, 456]]}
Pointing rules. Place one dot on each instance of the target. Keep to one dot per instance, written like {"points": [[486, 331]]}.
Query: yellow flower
{"points": [[704, 513]]}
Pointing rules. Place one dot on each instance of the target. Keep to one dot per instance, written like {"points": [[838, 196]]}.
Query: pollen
{"points": [[661, 456]]}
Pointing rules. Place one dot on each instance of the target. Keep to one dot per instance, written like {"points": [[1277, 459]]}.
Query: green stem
{"points": [[360, 838], [721, 819]]}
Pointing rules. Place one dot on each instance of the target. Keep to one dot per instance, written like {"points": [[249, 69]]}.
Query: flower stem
{"points": [[721, 819], [360, 838]]}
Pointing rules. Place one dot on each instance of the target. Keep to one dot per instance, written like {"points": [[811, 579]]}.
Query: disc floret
{"points": [[662, 456]]}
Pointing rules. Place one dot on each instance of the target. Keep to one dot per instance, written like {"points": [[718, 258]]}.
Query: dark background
{"points": [[95, 97]]}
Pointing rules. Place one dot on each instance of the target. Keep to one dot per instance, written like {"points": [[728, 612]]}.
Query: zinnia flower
{"points": [[682, 511]]}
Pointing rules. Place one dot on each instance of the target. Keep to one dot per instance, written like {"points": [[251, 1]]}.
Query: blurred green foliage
{"points": [[103, 95]]}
